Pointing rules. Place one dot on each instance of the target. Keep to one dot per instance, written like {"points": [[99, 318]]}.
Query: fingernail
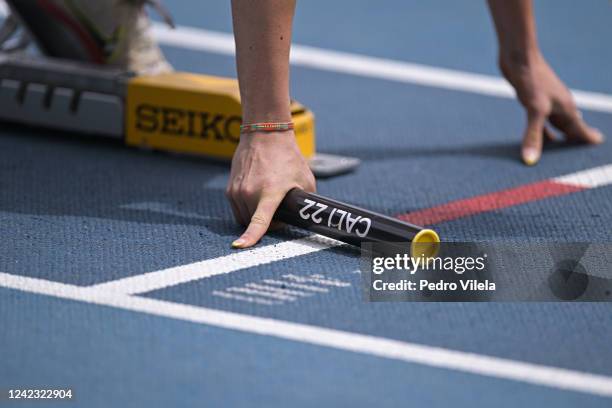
{"points": [[531, 155], [238, 243]]}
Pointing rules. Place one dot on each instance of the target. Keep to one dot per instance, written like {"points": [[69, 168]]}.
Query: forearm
{"points": [[516, 30], [262, 31]]}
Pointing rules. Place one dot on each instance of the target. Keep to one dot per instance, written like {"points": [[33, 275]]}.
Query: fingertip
{"points": [[597, 137], [251, 236], [531, 156], [585, 133], [533, 140], [247, 239], [239, 243]]}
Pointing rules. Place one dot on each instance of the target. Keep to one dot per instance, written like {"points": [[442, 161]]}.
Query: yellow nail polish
{"points": [[531, 156], [238, 243]]}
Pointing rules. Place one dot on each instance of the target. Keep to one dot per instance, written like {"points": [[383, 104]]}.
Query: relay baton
{"points": [[353, 225]]}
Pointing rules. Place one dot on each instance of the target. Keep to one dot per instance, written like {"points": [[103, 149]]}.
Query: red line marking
{"points": [[489, 202]]}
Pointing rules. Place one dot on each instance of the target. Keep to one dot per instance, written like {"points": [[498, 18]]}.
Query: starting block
{"points": [[177, 112]]}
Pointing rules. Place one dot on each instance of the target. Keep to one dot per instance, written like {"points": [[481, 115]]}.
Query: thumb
{"points": [[531, 150], [260, 221]]}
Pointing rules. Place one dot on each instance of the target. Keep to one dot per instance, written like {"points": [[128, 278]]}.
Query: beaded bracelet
{"points": [[266, 127]]}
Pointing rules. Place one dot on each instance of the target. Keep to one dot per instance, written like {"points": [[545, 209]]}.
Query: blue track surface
{"points": [[84, 212]]}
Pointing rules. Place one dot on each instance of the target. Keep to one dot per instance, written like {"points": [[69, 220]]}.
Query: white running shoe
{"points": [[108, 32]]}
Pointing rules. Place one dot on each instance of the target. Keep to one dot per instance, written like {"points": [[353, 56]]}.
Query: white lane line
{"points": [[217, 266], [590, 178], [371, 67], [296, 285], [243, 298], [275, 289], [254, 292], [472, 363], [320, 279]]}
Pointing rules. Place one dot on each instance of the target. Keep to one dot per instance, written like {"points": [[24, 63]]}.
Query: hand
{"points": [[545, 98], [264, 168]]}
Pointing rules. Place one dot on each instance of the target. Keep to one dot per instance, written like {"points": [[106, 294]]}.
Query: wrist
{"points": [[511, 58], [265, 140]]}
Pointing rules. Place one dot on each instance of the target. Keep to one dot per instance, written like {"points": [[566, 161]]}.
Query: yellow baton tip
{"points": [[425, 243]]}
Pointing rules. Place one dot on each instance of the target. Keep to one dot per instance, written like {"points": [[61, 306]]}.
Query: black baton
{"points": [[353, 225]]}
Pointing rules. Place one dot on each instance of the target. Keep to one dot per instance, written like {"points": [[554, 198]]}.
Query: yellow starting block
{"points": [[197, 114], [177, 112]]}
